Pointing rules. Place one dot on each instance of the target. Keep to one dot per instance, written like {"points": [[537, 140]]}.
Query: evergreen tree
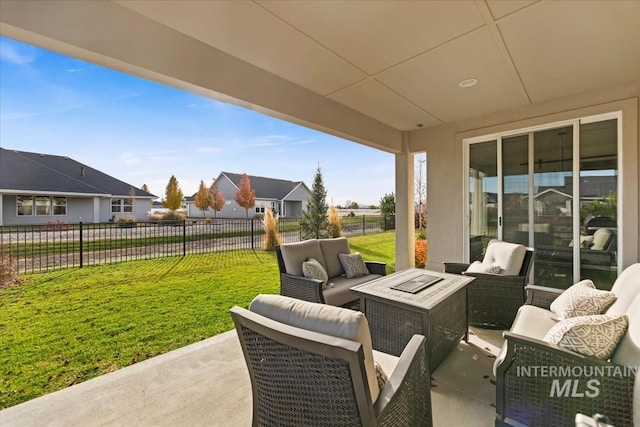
{"points": [[388, 210], [245, 196], [388, 204], [173, 196], [202, 198], [314, 223]]}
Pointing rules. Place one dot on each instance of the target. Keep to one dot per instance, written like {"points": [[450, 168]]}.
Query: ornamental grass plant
{"points": [[271, 235]]}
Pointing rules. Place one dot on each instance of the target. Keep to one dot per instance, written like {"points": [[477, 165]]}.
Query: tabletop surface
{"points": [[426, 298]]}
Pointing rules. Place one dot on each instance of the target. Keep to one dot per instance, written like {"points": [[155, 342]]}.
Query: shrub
{"points": [[125, 221], [55, 225], [154, 217], [421, 253], [421, 234], [335, 227], [172, 218], [8, 271], [271, 235]]}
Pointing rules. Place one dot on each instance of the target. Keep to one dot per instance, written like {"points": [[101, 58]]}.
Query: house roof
{"points": [[590, 186], [265, 188], [29, 172]]}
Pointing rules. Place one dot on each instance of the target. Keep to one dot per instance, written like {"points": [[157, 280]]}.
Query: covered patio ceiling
{"points": [[362, 70]]}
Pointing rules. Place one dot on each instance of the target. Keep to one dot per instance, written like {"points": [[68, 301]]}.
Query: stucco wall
{"points": [[444, 148]]}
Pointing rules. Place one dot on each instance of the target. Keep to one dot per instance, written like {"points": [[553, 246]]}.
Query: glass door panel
{"points": [[598, 202], [483, 196], [552, 207], [515, 187]]}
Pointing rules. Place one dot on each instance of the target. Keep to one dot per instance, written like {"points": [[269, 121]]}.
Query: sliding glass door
{"points": [[552, 189]]}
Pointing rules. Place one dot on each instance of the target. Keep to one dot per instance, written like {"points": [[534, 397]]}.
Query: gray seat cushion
{"points": [[294, 254], [340, 294], [330, 250], [324, 319]]}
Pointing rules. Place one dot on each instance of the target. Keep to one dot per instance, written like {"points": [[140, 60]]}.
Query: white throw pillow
{"points": [[582, 299], [312, 269], [478, 267], [597, 335], [353, 265], [509, 256]]}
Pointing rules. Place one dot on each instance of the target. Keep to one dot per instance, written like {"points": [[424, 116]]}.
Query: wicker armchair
{"points": [[494, 299], [304, 378]]}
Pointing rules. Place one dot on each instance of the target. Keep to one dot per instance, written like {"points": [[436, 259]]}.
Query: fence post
{"points": [[81, 248], [252, 235], [363, 224], [184, 237]]}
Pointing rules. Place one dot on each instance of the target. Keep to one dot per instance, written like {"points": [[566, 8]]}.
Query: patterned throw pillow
{"points": [[582, 299], [380, 376], [312, 269], [596, 335], [353, 265]]}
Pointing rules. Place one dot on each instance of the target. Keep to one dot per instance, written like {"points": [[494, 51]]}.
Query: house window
{"points": [[121, 205], [540, 187], [43, 205], [59, 205], [25, 205]]}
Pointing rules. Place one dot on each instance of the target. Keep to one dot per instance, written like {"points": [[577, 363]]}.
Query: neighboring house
{"points": [[39, 188], [286, 198]]}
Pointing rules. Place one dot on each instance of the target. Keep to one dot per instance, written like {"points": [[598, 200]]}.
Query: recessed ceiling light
{"points": [[468, 83]]}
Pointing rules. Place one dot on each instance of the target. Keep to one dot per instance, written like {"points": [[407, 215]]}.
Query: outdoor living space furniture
{"points": [[498, 291], [439, 311], [530, 392], [598, 254], [293, 282], [313, 365]]}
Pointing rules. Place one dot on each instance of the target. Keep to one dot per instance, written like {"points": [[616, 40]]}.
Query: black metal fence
{"points": [[40, 248]]}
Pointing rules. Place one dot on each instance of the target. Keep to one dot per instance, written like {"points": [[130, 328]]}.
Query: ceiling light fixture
{"points": [[419, 125], [468, 83]]}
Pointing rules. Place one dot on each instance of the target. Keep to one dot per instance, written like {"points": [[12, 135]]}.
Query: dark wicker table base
{"points": [[393, 323]]}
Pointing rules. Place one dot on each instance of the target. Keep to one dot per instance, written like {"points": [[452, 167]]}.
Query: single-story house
{"points": [[286, 198], [39, 188]]}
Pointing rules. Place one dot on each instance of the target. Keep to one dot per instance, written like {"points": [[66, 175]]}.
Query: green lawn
{"points": [[65, 327]]}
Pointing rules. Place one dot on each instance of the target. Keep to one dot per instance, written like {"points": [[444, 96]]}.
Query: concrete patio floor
{"points": [[207, 384]]}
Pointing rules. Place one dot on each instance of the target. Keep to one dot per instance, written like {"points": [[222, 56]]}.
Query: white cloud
{"points": [[10, 52]]}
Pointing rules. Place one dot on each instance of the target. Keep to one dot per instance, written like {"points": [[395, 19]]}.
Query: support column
{"points": [[1, 213], [405, 207], [96, 209]]}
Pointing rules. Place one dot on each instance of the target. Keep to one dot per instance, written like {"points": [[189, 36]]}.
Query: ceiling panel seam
{"points": [[492, 26]]}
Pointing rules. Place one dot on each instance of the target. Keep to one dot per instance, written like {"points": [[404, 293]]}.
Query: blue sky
{"points": [[142, 132]]}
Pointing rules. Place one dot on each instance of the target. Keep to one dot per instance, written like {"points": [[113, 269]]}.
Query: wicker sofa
{"points": [[610, 387], [294, 284]]}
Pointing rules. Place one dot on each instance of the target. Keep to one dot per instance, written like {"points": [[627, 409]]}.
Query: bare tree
{"points": [[421, 189]]}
